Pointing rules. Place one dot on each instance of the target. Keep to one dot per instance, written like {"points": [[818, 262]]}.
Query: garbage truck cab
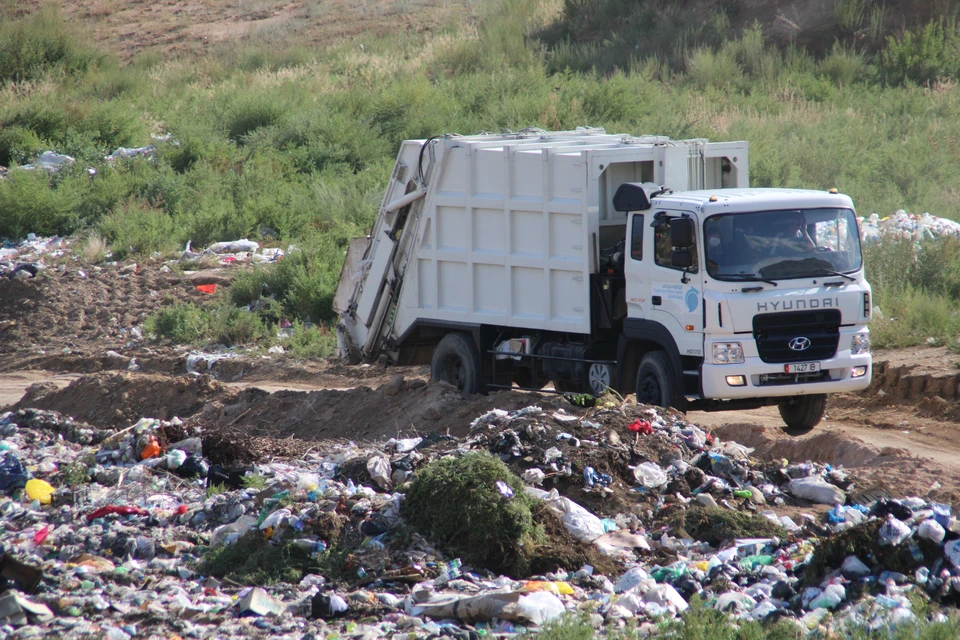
{"points": [[539, 257], [761, 290]]}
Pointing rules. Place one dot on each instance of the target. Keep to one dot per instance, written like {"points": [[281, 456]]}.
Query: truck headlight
{"points": [[727, 353], [860, 344]]}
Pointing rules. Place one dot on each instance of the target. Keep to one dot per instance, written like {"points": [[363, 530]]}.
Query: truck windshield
{"points": [[779, 245]]}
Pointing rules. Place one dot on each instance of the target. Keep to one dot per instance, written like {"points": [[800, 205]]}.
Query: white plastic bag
{"points": [[630, 579], [379, 469], [952, 549], [853, 567], [650, 475], [539, 607], [816, 490], [829, 598], [893, 532], [931, 530], [666, 596]]}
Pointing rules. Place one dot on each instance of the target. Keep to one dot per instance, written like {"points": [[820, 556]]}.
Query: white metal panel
{"points": [[529, 297], [452, 294], [490, 289], [489, 231]]}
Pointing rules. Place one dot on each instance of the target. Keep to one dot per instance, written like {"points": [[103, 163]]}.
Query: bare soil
{"points": [[170, 27]]}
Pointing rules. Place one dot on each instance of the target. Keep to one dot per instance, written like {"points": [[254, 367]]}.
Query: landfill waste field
{"points": [[496, 524], [150, 490]]}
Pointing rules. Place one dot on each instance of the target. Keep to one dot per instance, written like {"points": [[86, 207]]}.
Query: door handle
{"points": [[656, 300]]}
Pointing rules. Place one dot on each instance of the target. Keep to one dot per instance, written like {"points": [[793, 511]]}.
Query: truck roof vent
{"points": [[636, 196]]}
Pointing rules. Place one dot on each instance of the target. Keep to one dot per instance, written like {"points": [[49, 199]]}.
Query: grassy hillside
{"points": [[274, 130]]}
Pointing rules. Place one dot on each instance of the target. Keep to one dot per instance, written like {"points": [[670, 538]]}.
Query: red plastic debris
{"points": [[641, 426], [119, 510], [41, 535], [207, 288], [182, 509]]}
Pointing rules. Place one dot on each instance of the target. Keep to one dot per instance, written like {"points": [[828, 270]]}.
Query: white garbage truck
{"points": [[596, 261]]}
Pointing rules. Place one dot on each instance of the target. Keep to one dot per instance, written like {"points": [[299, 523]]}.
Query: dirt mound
{"points": [[828, 447], [398, 408], [119, 399]]}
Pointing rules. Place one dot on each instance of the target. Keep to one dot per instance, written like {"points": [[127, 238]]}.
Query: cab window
{"points": [[663, 250], [636, 237]]}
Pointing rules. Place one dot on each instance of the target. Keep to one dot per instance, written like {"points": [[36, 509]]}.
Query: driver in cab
{"points": [[793, 238]]}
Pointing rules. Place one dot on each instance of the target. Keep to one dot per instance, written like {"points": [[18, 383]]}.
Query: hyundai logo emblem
{"points": [[799, 344]]}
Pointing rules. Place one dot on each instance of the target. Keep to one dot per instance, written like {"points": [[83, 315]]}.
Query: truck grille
{"points": [[775, 331]]}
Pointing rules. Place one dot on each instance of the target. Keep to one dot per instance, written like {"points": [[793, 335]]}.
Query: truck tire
{"points": [[802, 413], [456, 360], [654, 383]]}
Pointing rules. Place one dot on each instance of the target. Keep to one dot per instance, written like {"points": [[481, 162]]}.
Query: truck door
{"points": [[675, 294], [636, 268]]}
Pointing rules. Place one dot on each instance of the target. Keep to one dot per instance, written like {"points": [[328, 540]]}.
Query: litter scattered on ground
{"points": [[136, 532], [903, 225]]}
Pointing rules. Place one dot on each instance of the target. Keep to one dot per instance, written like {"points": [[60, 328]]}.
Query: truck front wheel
{"points": [[456, 360], [802, 413], [654, 385]]}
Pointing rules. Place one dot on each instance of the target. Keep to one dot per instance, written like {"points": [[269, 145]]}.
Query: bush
{"points": [[17, 145], [456, 502], [181, 323], [253, 560], [28, 203], [137, 229], [38, 44], [923, 55], [310, 341], [233, 326]]}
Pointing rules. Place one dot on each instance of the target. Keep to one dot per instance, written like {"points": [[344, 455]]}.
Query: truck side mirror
{"points": [[682, 232], [635, 196], [682, 258]]}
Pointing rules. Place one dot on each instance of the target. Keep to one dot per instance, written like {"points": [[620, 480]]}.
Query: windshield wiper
{"points": [[751, 277], [830, 272]]}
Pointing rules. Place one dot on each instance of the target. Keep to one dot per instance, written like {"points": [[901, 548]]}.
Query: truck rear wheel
{"points": [[456, 360], [802, 413], [654, 384]]}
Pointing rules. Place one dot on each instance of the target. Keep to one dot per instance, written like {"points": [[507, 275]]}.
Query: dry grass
{"points": [[93, 249]]}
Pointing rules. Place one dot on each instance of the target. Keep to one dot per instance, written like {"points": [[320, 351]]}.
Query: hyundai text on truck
{"points": [[596, 261]]}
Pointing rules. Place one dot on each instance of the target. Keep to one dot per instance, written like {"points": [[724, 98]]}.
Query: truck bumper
{"points": [[764, 380]]}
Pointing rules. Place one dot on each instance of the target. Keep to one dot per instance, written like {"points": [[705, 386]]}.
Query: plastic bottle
{"points": [[746, 494]]}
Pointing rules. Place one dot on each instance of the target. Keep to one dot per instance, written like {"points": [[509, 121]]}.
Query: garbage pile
{"points": [[903, 225], [25, 258], [243, 250], [135, 533]]}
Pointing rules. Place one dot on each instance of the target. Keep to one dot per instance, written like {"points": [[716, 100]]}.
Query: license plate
{"points": [[802, 367]]}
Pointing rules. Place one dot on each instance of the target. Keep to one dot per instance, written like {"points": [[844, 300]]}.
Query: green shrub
{"points": [[923, 55], [134, 228], [38, 44], [310, 341], [843, 66], [182, 323], [250, 114], [708, 68], [28, 204], [455, 502], [233, 326], [18, 145], [253, 560]]}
